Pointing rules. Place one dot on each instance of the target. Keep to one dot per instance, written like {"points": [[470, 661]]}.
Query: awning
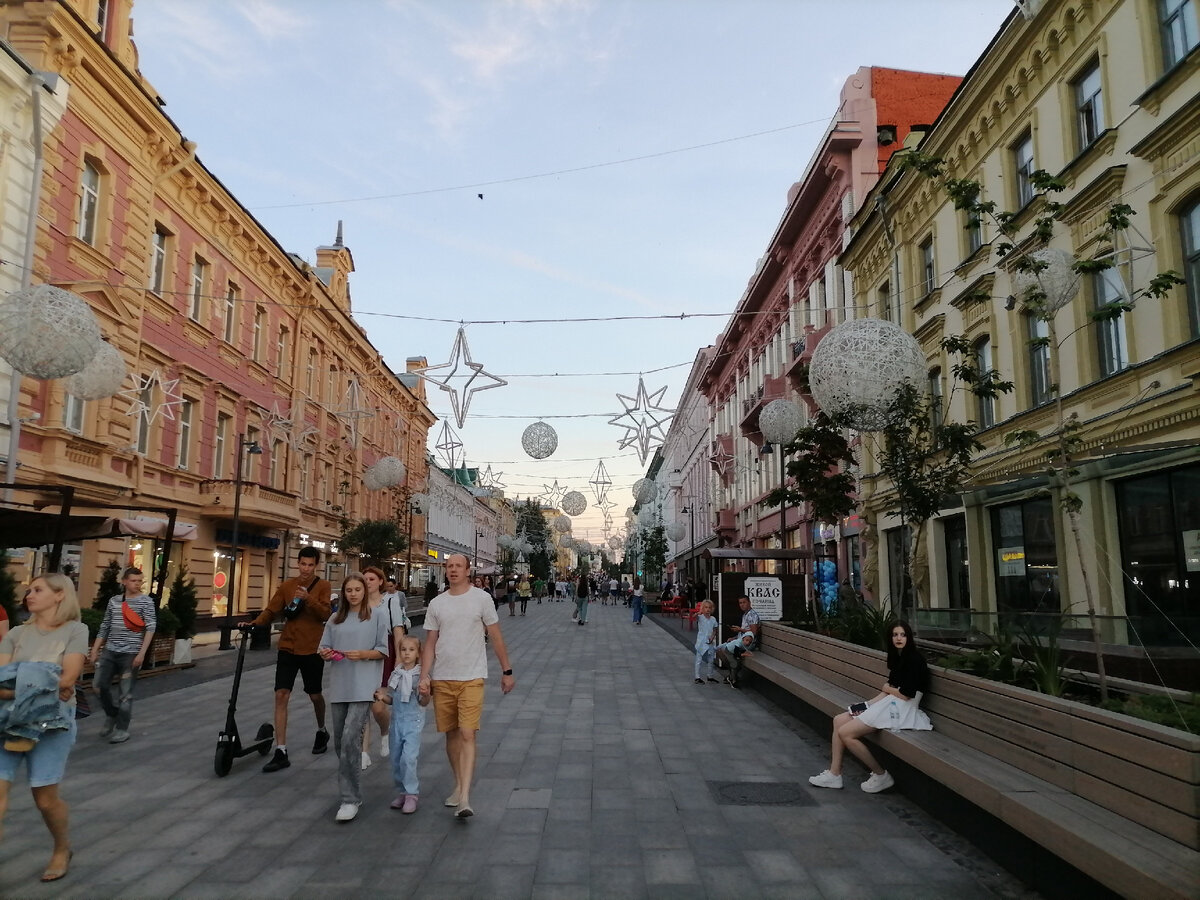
{"points": [[27, 528], [744, 553]]}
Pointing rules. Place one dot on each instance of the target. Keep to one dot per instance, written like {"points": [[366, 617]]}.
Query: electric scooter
{"points": [[229, 744]]}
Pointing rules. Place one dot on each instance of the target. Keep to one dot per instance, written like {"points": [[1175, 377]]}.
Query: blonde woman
{"points": [[53, 634]]}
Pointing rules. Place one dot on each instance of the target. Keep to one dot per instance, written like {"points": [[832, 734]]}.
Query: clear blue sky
{"points": [[633, 155]]}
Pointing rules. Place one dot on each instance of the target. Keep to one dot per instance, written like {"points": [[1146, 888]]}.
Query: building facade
{"points": [[1104, 95], [243, 358]]}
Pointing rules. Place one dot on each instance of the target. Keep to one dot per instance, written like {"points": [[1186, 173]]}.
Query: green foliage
{"points": [[377, 539], [859, 624], [819, 471], [531, 521], [654, 552], [8, 588], [1181, 714], [1043, 660], [110, 585], [92, 618], [182, 603], [167, 623]]}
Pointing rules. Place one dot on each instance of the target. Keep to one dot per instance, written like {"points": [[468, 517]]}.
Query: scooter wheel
{"points": [[266, 731], [223, 761]]}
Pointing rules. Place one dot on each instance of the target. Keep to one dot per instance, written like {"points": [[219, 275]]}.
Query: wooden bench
{"points": [[1116, 798]]}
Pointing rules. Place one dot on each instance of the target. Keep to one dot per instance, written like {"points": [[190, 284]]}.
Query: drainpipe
{"points": [[36, 83]]}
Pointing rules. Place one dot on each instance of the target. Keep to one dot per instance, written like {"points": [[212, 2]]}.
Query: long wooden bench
{"points": [[1114, 797]]}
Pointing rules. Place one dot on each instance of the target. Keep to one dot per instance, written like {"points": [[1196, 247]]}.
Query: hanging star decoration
{"points": [[460, 359], [275, 421], [600, 482], [152, 397], [491, 480], [449, 445], [646, 420], [552, 494], [352, 411], [722, 461]]}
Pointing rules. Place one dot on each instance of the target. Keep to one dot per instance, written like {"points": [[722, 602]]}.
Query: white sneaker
{"points": [[366, 760], [346, 812], [827, 780], [877, 783], [383, 746]]}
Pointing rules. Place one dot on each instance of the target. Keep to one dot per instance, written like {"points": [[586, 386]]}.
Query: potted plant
{"points": [[182, 603]]}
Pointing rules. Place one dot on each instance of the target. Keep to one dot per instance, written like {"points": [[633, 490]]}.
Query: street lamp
{"points": [[690, 509], [227, 628], [779, 421], [478, 535]]}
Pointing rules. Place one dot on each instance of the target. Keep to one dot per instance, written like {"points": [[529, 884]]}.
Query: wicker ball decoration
{"points": [[573, 503], [561, 524], [858, 367], [780, 420], [1058, 281], [384, 473], [46, 332], [567, 543], [539, 440], [648, 516], [644, 490], [100, 378], [420, 503], [676, 531], [615, 543]]}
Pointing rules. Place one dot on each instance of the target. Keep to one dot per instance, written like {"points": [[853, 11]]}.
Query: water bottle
{"points": [[293, 607]]}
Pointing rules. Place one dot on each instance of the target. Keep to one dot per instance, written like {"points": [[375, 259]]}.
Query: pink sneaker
{"points": [[410, 804], [398, 803]]}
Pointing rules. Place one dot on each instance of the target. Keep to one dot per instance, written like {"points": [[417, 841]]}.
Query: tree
{"points": [[110, 585], [377, 539], [654, 551], [182, 602], [819, 469], [532, 523]]}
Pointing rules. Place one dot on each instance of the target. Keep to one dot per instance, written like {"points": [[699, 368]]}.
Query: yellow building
{"points": [[233, 345], [1103, 94]]}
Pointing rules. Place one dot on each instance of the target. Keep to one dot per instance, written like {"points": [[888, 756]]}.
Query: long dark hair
{"points": [[894, 656], [343, 610]]}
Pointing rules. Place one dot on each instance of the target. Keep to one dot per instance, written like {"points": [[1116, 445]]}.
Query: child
{"points": [[706, 640], [408, 718], [735, 649], [355, 642]]}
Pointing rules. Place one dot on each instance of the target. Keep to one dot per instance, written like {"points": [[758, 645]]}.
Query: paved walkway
{"points": [[606, 773]]}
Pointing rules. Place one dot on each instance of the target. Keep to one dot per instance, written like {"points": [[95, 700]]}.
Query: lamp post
{"points": [[690, 509], [478, 535], [227, 628], [779, 422]]}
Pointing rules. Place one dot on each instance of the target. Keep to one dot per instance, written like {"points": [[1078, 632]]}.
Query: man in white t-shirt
{"points": [[454, 669]]}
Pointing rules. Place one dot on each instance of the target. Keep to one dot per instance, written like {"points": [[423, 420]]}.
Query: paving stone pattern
{"points": [[592, 781]]}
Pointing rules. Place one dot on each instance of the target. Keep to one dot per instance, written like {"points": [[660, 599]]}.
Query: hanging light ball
{"points": [[1055, 278], [857, 369], [539, 440], [780, 420], [676, 531], [420, 503], [648, 516], [573, 503], [615, 543], [102, 377], [384, 473], [644, 490], [46, 332], [561, 524], [567, 542]]}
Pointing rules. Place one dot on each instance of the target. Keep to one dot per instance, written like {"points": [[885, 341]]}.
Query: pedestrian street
{"points": [[606, 773]]}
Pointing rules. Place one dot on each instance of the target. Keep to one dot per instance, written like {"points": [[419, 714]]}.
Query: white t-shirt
{"points": [[459, 620]]}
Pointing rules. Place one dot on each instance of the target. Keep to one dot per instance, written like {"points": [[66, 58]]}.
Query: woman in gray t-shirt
{"points": [[355, 644]]}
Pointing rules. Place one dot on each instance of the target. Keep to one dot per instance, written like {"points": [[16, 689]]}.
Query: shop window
{"points": [[900, 594], [1025, 556], [958, 573]]}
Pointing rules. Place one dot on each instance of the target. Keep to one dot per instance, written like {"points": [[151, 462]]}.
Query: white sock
{"points": [[282, 747]]}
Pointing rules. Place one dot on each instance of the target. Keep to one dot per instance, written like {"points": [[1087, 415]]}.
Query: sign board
{"points": [[766, 597], [1191, 550], [1011, 561]]}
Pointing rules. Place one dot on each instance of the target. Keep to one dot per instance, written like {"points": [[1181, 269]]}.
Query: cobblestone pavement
{"points": [[606, 773]]}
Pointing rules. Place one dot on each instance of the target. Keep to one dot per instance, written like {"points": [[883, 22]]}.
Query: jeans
{"points": [[524, 603], [121, 665], [639, 609], [349, 720], [408, 719], [581, 604]]}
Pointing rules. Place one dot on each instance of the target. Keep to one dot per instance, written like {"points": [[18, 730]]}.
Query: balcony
{"points": [[802, 354], [260, 504], [725, 524], [774, 387]]}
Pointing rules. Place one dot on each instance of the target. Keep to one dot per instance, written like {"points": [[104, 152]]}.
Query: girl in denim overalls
{"points": [[408, 718]]}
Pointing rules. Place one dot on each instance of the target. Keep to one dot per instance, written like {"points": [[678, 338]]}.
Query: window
{"points": [[1023, 168], [936, 399], [983, 364], [884, 298], [1177, 19], [974, 231], [144, 417], [73, 413], [102, 16], [928, 269], [900, 592], [1039, 361], [1089, 105], [958, 570], [158, 258], [260, 323], [1108, 289], [219, 443], [305, 466], [89, 204], [184, 454], [199, 280], [229, 329], [310, 372], [281, 352], [1026, 556], [276, 463], [1191, 262], [331, 385], [249, 458]]}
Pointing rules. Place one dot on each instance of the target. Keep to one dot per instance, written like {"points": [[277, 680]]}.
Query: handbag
{"points": [[133, 621]]}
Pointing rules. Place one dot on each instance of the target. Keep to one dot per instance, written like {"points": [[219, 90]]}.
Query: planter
{"points": [[182, 652], [161, 649]]}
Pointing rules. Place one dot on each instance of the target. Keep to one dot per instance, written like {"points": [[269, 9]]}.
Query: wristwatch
{"points": [[507, 672]]}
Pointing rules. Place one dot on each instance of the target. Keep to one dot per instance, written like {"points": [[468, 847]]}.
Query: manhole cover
{"points": [[760, 793]]}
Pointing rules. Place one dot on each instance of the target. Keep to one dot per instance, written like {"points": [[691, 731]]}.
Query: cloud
{"points": [[274, 20]]}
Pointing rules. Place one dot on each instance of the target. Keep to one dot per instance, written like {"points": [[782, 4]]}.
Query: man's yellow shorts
{"points": [[458, 704]]}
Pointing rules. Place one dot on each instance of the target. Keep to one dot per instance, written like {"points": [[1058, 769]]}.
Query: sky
{"points": [[511, 160]]}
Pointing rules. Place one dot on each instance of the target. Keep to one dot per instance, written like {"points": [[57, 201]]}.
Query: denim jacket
{"points": [[36, 707]]}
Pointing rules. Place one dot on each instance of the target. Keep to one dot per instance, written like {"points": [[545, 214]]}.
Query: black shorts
{"points": [[310, 666]]}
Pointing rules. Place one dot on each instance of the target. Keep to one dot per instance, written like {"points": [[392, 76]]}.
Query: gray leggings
{"points": [[349, 719]]}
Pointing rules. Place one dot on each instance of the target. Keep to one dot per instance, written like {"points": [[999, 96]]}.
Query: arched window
{"points": [[1190, 222]]}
